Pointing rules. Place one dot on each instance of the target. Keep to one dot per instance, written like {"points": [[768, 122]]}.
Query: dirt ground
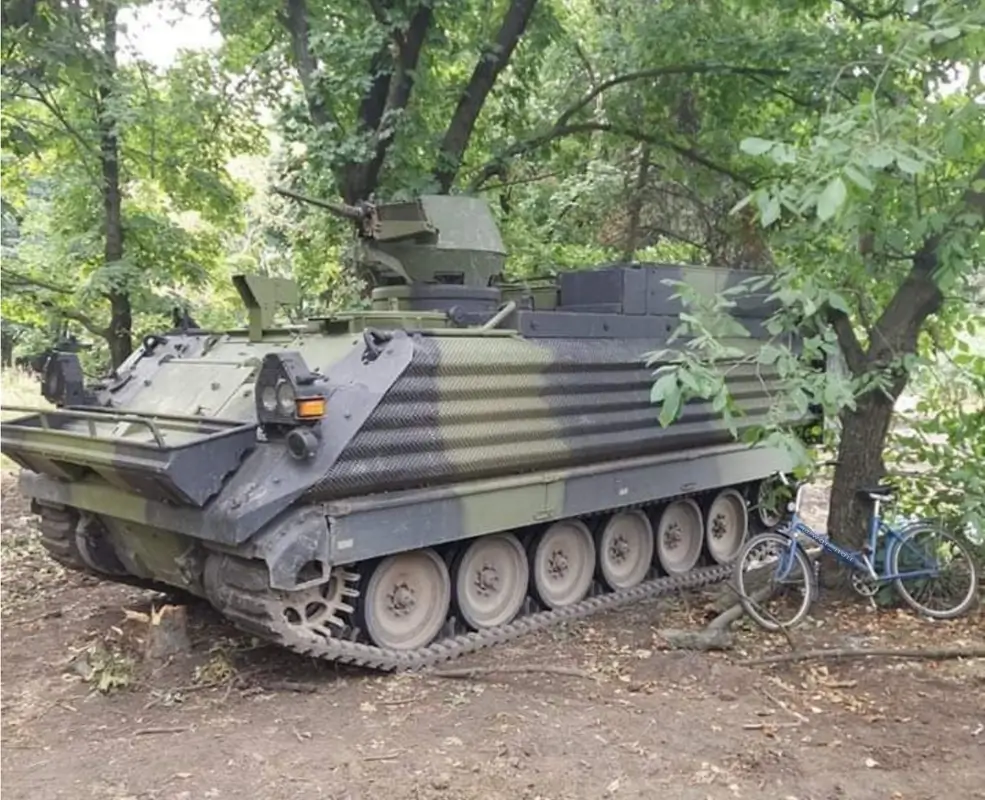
{"points": [[237, 719]]}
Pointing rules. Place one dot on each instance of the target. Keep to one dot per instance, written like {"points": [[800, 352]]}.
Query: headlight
{"points": [[288, 394], [285, 398]]}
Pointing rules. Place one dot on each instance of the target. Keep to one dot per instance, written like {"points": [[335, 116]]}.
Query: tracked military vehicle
{"points": [[463, 462]]}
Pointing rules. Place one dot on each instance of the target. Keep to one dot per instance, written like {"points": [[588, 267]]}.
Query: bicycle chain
{"points": [[253, 608]]}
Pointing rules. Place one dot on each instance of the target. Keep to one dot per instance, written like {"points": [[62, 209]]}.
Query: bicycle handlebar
{"points": [[801, 484]]}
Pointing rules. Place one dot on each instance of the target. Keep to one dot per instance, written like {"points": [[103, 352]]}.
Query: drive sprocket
{"points": [[324, 610]]}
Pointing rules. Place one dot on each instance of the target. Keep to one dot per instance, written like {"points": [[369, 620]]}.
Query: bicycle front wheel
{"points": [[774, 580], [937, 574]]}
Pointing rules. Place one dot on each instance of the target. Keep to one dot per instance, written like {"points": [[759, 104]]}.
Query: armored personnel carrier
{"points": [[466, 461]]}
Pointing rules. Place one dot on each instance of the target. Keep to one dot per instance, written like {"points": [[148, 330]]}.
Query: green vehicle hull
{"points": [[471, 476]]}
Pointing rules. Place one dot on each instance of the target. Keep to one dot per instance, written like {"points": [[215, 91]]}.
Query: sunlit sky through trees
{"points": [[159, 30]]}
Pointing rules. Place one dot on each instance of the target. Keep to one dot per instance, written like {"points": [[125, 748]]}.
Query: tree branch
{"points": [[935, 654], [797, 101], [586, 63], [919, 296], [85, 321], [21, 279], [380, 13], [494, 167], [660, 72], [68, 313], [491, 62], [296, 21], [564, 127], [851, 348], [83, 146], [393, 67], [863, 15], [400, 87]]}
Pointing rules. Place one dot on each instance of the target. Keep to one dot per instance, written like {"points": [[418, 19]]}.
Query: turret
{"points": [[434, 239]]}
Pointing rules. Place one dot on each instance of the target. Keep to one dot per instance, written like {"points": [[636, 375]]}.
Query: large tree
{"points": [[103, 155], [875, 209]]}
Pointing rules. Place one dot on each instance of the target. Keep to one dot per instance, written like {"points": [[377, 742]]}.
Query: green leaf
{"points": [[831, 199], [859, 178], [783, 154], [946, 34], [768, 354], [769, 209], [953, 144], [664, 385], [755, 146], [838, 303], [909, 165], [671, 405], [880, 158]]}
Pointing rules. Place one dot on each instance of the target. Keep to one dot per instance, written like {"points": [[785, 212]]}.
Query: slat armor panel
{"points": [[476, 407]]}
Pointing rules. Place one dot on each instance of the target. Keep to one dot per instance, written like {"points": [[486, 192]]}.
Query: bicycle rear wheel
{"points": [[774, 580], [949, 588]]}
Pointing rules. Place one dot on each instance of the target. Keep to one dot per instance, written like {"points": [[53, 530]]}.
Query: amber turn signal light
{"points": [[310, 407]]}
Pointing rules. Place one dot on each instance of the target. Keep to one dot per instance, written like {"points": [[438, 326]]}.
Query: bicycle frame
{"points": [[857, 559]]}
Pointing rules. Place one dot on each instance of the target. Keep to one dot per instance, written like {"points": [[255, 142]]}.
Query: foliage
{"points": [[939, 456], [72, 110], [876, 206]]}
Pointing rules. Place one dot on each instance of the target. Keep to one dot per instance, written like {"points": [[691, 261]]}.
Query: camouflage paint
{"points": [[449, 434], [467, 413]]}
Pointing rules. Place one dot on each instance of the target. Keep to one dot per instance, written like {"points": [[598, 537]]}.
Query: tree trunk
{"points": [[636, 204], [491, 62], [359, 181], [864, 430], [894, 336], [6, 350], [121, 314], [860, 463], [118, 333]]}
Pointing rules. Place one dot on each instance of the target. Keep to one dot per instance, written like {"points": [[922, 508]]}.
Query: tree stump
{"points": [[165, 632]]}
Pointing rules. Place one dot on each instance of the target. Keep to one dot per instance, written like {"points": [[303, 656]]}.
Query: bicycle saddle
{"points": [[880, 492]]}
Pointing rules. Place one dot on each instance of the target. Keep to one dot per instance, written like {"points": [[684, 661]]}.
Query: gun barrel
{"points": [[341, 209]]}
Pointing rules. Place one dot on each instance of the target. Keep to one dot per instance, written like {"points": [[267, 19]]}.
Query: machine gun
{"points": [[434, 239]]}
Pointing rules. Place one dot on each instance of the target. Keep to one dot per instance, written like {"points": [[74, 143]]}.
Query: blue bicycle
{"points": [[919, 559]]}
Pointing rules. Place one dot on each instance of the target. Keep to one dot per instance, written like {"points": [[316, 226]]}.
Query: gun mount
{"points": [[434, 239]]}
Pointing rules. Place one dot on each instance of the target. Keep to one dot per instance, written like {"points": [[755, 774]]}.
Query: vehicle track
{"points": [[239, 590]]}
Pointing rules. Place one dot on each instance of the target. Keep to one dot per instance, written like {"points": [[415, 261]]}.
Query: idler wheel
{"points": [[625, 549], [406, 600], [563, 563], [491, 578]]}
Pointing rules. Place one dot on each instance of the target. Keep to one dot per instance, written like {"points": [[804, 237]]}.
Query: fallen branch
{"points": [[877, 652], [706, 640], [385, 756], [783, 706], [155, 731], [475, 672], [716, 634], [765, 726]]}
